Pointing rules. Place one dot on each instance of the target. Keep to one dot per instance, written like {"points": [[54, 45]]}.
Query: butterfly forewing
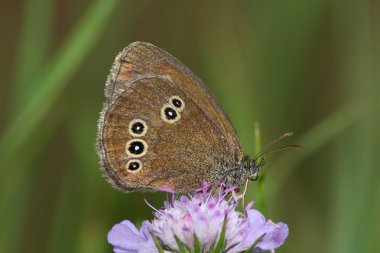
{"points": [[141, 59], [187, 138]]}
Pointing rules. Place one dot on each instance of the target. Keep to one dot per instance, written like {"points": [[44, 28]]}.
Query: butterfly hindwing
{"points": [[179, 155]]}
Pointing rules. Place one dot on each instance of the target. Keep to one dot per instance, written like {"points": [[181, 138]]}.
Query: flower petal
{"points": [[257, 227], [274, 238], [125, 238]]}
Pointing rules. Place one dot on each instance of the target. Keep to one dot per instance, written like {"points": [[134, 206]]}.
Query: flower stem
{"points": [[260, 184]]}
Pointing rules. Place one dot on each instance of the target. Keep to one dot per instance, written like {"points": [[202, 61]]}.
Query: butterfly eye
{"points": [[133, 166], [169, 114], [177, 102], [137, 128], [136, 148]]}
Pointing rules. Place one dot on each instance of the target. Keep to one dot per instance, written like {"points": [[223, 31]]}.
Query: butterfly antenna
{"points": [[277, 140], [264, 153]]}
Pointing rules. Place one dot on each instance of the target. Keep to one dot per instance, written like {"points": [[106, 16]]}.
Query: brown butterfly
{"points": [[161, 128]]}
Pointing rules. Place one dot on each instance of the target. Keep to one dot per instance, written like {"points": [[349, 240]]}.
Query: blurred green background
{"points": [[311, 67]]}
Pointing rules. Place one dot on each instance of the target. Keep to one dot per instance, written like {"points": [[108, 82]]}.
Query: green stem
{"points": [[260, 202]]}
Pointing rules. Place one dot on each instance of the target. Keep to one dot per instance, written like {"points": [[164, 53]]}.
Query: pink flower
{"points": [[201, 217]]}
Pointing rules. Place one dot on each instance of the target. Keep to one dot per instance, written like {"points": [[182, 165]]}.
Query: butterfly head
{"points": [[253, 168], [247, 169]]}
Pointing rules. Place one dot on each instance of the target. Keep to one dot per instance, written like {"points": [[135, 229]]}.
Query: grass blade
{"points": [[313, 140], [32, 50], [55, 76]]}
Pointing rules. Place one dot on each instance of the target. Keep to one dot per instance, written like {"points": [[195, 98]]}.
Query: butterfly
{"points": [[161, 128]]}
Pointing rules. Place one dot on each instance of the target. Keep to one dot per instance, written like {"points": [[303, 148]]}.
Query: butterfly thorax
{"points": [[247, 169]]}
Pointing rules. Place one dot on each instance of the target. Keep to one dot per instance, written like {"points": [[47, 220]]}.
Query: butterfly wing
{"points": [[178, 154], [141, 59]]}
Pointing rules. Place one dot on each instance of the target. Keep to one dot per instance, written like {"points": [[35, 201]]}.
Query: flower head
{"points": [[197, 222]]}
